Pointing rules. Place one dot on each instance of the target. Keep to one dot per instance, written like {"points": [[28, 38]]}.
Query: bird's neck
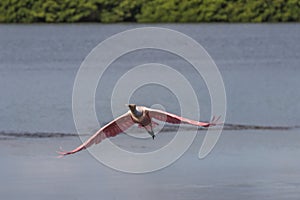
{"points": [[137, 113]]}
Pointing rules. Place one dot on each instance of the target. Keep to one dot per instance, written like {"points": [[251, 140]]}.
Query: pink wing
{"points": [[174, 119], [112, 129]]}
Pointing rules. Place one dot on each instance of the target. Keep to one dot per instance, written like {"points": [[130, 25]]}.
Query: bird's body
{"points": [[137, 115]]}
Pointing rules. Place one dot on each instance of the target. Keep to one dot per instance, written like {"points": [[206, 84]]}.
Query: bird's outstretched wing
{"points": [[112, 129], [174, 119]]}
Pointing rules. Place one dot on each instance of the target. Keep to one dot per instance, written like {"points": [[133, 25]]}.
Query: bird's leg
{"points": [[153, 135], [150, 131]]}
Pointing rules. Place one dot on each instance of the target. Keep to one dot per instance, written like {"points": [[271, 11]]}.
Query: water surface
{"points": [[256, 157]]}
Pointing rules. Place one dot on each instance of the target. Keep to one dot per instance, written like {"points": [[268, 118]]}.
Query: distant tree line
{"points": [[109, 11]]}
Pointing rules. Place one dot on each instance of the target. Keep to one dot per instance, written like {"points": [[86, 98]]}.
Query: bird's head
{"points": [[132, 107]]}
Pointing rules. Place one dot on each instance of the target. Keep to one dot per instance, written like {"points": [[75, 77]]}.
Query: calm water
{"points": [[38, 64], [260, 69]]}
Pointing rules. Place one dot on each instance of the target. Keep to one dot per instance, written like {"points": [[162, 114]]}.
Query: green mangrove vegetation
{"points": [[148, 11]]}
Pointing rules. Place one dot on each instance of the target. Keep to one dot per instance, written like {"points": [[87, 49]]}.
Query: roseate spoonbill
{"points": [[137, 115]]}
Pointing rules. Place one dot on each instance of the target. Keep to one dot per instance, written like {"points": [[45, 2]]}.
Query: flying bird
{"points": [[142, 116]]}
